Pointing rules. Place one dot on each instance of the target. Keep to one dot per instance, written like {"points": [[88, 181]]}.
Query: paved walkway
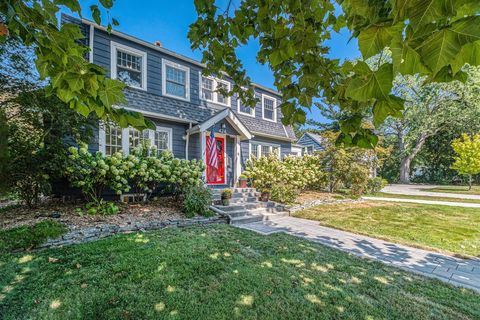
{"points": [[456, 271], [443, 203], [419, 190]]}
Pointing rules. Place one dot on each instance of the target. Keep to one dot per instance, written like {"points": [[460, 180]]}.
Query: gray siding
{"points": [[285, 147], [306, 140], [178, 131]]}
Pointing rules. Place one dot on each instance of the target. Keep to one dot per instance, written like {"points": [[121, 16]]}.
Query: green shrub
{"points": [[376, 184], [284, 178], [197, 201], [357, 179], [284, 194], [26, 237]]}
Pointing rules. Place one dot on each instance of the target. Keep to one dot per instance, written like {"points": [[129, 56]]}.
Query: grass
{"points": [[404, 196], [26, 237], [217, 272], [455, 189], [442, 228]]}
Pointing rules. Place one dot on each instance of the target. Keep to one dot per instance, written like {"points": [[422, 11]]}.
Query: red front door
{"points": [[216, 175]]}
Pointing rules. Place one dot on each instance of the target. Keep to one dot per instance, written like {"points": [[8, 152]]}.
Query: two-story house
{"points": [[169, 89]]}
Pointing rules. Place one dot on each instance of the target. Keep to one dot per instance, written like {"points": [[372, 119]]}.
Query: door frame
{"points": [[225, 174]]}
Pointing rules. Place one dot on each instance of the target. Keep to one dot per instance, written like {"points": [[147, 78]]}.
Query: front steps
{"points": [[245, 206]]}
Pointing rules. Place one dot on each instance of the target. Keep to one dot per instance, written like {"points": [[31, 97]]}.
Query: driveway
{"points": [[456, 271], [419, 190]]}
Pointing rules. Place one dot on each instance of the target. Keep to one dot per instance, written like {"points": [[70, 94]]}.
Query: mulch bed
{"points": [[165, 208]]}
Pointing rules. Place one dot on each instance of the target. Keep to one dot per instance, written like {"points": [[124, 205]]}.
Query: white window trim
{"points": [[113, 62], [214, 89], [264, 144], [251, 114], [264, 96], [172, 64], [126, 138]]}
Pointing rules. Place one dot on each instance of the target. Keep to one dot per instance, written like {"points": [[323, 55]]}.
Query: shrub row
{"points": [[141, 172]]}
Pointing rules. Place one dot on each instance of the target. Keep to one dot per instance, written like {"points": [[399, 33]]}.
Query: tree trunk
{"points": [[469, 182], [407, 160]]}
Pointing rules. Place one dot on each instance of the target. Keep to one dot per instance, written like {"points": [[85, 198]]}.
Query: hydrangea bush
{"points": [[143, 172]]}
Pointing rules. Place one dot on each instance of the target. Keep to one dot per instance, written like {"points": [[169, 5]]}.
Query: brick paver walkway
{"points": [[456, 271]]}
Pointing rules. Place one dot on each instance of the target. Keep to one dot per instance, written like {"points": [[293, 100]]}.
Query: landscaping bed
{"points": [[217, 272], [68, 214], [453, 230]]}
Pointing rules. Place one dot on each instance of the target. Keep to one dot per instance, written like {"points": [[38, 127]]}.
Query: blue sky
{"points": [[168, 21]]}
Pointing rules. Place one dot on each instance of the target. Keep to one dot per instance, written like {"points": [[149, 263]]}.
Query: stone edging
{"points": [[87, 234], [318, 202]]}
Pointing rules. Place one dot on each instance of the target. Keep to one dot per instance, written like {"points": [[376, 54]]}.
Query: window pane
{"points": [[113, 139], [207, 89], [129, 69], [265, 151], [220, 97], [136, 137], [176, 82], [255, 150], [244, 109], [268, 107], [161, 141]]}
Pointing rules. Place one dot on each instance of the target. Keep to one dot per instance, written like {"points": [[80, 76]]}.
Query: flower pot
{"points": [[226, 202], [242, 183]]}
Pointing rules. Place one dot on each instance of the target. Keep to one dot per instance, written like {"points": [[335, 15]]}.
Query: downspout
{"points": [[187, 139]]}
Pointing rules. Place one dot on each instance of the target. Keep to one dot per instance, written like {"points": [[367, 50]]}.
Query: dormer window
{"points": [[209, 87], [269, 108], [176, 80], [129, 66]]}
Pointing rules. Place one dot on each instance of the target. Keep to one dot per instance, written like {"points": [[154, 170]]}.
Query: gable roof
{"points": [[317, 139], [230, 117]]}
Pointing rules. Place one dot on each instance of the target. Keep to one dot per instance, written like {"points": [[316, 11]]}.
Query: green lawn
{"points": [[442, 228], [455, 189], [217, 272], [405, 196]]}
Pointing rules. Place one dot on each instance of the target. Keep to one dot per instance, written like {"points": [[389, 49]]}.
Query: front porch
{"points": [[229, 131]]}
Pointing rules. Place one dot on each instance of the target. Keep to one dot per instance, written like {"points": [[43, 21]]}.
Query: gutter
{"points": [[273, 136]]}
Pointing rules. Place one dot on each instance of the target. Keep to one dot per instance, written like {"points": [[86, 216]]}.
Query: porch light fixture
{"points": [[223, 128]]}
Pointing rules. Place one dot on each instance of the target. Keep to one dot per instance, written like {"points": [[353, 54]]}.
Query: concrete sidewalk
{"points": [[443, 203], [456, 271], [419, 190]]}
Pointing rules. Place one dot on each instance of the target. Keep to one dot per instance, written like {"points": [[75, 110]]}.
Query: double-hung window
{"points": [[269, 108], [260, 149], [115, 139], [129, 66], [209, 90], [176, 80]]}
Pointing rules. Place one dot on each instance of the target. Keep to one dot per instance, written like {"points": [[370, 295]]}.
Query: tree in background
{"points": [[467, 159], [430, 109]]}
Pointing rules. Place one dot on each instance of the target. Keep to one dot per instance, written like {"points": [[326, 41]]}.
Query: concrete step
{"points": [[238, 213], [246, 219], [239, 195], [243, 200], [235, 190]]}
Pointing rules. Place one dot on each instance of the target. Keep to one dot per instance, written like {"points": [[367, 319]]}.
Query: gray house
{"points": [[169, 89], [311, 142]]}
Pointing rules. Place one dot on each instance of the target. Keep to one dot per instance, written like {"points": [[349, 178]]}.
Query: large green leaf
{"points": [[406, 60], [368, 84], [383, 109], [372, 40], [112, 92], [442, 47], [470, 53], [422, 12]]}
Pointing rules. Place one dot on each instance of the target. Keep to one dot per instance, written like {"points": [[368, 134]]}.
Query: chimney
{"points": [[157, 43]]}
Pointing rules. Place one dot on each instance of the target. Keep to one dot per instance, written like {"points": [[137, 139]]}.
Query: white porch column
{"points": [[203, 149], [237, 171]]}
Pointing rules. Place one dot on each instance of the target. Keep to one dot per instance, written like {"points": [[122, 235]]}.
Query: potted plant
{"points": [[226, 196], [242, 181]]}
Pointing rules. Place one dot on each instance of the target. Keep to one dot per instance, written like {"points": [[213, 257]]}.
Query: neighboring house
{"points": [[311, 142], [169, 89]]}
